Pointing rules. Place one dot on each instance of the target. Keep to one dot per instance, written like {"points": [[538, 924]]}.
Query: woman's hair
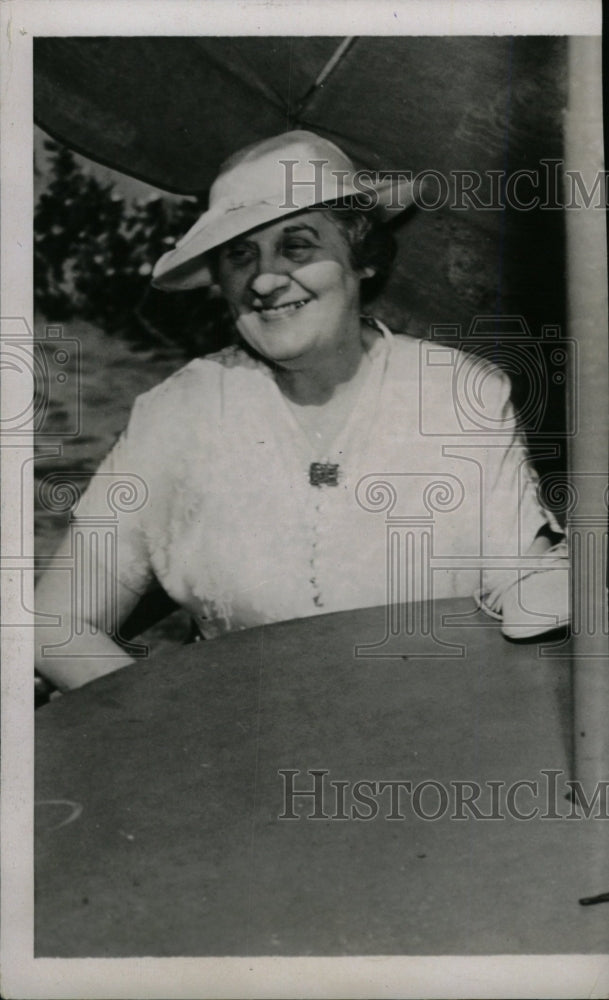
{"points": [[371, 241]]}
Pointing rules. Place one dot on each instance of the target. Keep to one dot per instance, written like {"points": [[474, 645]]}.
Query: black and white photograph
{"points": [[304, 441]]}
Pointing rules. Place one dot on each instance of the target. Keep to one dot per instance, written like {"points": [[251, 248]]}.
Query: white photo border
{"points": [[22, 975]]}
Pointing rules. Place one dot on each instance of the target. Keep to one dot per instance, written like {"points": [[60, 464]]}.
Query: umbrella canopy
{"points": [[169, 110]]}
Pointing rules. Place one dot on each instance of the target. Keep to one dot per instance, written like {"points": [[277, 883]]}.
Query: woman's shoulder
{"points": [[202, 377], [446, 389], [436, 361], [211, 366]]}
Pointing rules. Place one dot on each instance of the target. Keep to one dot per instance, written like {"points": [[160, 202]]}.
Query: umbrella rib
{"points": [[321, 77], [254, 81]]}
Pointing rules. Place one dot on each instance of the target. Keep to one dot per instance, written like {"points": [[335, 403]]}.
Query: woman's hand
{"points": [[538, 599]]}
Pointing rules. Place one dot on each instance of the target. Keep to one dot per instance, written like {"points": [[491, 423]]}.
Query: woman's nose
{"points": [[271, 273], [266, 282]]}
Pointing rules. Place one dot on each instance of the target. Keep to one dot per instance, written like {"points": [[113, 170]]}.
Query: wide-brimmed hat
{"points": [[265, 182]]}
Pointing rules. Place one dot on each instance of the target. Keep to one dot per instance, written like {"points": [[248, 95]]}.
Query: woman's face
{"points": [[292, 289]]}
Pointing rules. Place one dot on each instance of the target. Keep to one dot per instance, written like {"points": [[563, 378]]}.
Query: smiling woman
{"points": [[294, 294], [249, 483]]}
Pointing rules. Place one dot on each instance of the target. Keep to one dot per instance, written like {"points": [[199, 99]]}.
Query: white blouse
{"points": [[209, 489]]}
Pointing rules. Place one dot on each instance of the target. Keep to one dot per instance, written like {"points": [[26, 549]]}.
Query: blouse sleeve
{"points": [[514, 514], [114, 508]]}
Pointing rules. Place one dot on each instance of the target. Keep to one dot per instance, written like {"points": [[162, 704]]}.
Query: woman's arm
{"points": [[531, 594], [85, 605], [102, 567]]}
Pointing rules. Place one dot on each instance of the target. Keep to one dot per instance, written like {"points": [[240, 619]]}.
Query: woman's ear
{"points": [[214, 290]]}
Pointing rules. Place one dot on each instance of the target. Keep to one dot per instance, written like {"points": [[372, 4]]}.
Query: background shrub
{"points": [[93, 256]]}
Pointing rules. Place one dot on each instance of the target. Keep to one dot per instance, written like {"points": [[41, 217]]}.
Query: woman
{"points": [[260, 475]]}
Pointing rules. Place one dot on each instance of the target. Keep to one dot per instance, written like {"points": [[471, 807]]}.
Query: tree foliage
{"points": [[93, 256]]}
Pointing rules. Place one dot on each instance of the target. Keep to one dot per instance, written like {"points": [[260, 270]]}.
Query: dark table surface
{"points": [[158, 793]]}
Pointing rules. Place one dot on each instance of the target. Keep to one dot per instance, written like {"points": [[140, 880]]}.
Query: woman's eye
{"points": [[239, 254], [297, 248]]}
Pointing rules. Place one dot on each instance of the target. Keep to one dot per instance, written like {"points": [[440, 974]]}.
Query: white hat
{"points": [[265, 182]]}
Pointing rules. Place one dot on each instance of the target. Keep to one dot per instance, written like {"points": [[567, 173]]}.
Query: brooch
{"points": [[322, 473]]}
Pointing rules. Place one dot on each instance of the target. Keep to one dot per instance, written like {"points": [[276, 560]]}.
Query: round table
{"points": [[169, 819]]}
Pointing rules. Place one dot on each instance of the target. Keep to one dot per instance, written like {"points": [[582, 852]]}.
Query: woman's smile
{"points": [[281, 310]]}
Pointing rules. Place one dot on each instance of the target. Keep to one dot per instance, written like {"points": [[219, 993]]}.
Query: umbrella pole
{"points": [[589, 453]]}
